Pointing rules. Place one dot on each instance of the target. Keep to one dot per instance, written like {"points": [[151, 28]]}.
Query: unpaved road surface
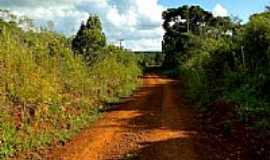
{"points": [[153, 124]]}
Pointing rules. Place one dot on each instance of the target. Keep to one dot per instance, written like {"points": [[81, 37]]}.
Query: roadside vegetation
{"points": [[222, 61], [51, 86]]}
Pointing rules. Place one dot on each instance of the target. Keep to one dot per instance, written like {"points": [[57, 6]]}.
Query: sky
{"points": [[138, 22]]}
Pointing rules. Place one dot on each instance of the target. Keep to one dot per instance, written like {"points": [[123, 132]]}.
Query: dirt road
{"points": [[154, 124]]}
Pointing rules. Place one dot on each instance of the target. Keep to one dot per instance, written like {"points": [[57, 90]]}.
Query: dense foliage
{"points": [[221, 60], [47, 90]]}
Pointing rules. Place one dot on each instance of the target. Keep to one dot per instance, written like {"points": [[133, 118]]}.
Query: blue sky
{"points": [[240, 8], [138, 22]]}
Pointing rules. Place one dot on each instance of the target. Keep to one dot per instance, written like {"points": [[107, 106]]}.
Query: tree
{"points": [[178, 24], [182, 23], [89, 39], [256, 42]]}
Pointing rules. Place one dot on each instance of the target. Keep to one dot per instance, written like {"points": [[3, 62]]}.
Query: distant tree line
{"points": [[150, 58]]}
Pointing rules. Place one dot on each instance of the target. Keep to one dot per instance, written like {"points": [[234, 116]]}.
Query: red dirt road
{"points": [[154, 124]]}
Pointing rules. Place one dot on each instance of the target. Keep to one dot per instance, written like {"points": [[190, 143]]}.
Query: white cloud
{"points": [[136, 21], [144, 44], [220, 11]]}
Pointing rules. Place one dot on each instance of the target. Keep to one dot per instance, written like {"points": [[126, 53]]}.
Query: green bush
{"points": [[253, 108], [196, 87], [118, 79]]}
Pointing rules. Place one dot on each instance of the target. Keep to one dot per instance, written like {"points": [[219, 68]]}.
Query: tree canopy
{"points": [[89, 39], [180, 23]]}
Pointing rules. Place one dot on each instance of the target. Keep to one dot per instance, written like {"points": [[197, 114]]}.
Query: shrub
{"points": [[196, 88]]}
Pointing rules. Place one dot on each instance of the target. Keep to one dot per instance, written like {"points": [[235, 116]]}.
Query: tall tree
{"points": [[178, 22], [89, 39], [183, 22]]}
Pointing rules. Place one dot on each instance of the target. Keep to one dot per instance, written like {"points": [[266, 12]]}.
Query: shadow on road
{"points": [[163, 125]]}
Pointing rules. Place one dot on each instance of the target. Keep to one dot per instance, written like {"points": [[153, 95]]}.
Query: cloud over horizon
{"points": [[138, 22]]}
